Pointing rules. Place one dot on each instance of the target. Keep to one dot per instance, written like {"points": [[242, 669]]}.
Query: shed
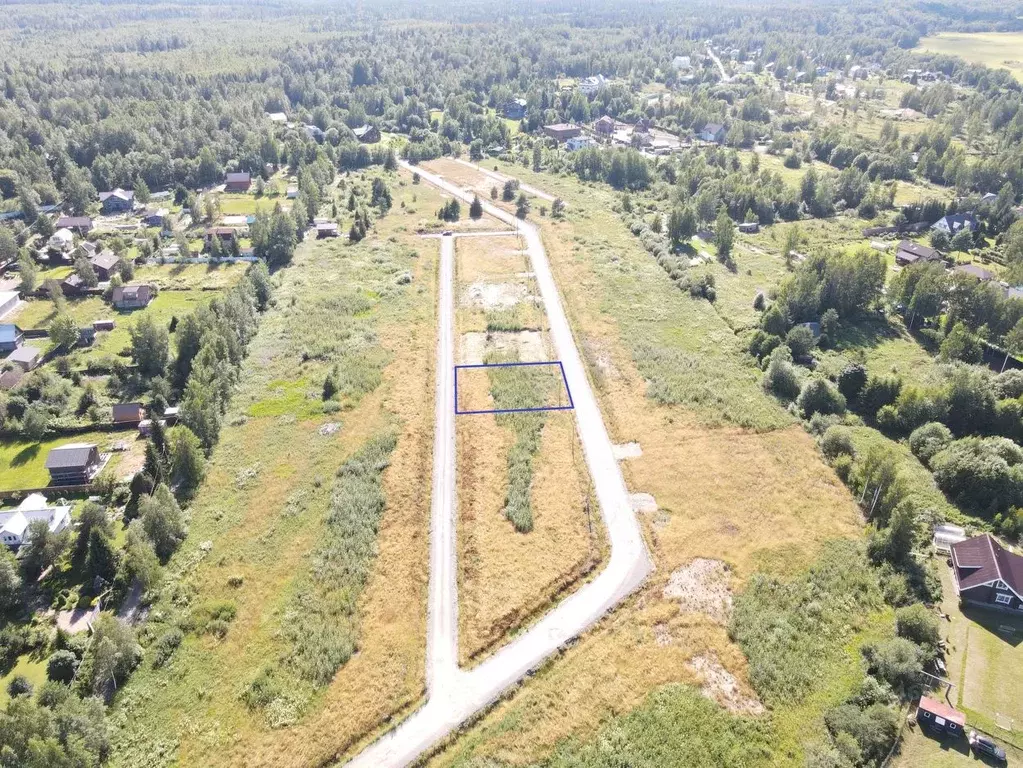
{"points": [[749, 227], [127, 413], [367, 134], [25, 357], [940, 717], [326, 229]]}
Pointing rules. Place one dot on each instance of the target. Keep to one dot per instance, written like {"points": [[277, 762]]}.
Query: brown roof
{"points": [[917, 250], [941, 709], [220, 231], [978, 272], [126, 411], [10, 379], [982, 560], [105, 259], [71, 222]]}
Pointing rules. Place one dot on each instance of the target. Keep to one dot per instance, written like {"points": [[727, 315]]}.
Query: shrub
{"points": [[165, 646], [978, 475], [919, 624], [852, 380], [800, 340], [62, 666], [928, 440], [19, 686], [879, 392], [896, 661], [820, 396], [1009, 384], [211, 618], [781, 379], [837, 441], [843, 466], [869, 733]]}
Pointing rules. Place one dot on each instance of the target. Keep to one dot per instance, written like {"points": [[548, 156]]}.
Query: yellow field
{"points": [[993, 49]]}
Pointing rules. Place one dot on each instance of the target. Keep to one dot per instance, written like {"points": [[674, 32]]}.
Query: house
{"points": [[117, 201], [127, 413], [939, 717], [987, 575], [79, 224], [154, 217], [10, 379], [132, 296], [8, 301], [367, 134], [910, 253], [237, 182], [988, 198], [313, 131], [72, 285], [73, 464], [62, 241], [513, 109], [562, 131], [749, 227], [104, 263], [84, 250], [14, 523], [682, 62], [27, 358], [955, 222], [974, 271], [579, 142], [291, 193], [11, 337], [714, 132], [277, 117], [226, 235], [326, 229], [605, 126]]}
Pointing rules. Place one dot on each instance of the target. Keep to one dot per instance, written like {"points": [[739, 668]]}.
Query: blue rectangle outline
{"points": [[564, 378]]}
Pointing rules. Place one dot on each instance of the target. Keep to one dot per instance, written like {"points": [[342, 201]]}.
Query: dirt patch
{"points": [[720, 685], [624, 451], [702, 587], [77, 620], [494, 295], [475, 345], [643, 502]]}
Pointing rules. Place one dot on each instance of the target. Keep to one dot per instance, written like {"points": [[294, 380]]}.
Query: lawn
{"points": [[190, 276], [22, 463], [993, 49], [34, 670], [239, 204]]}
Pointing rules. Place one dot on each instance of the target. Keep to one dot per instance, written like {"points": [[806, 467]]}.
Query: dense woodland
{"points": [[155, 97]]}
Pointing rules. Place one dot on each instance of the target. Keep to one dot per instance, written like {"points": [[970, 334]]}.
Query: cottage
{"points": [[605, 126], [132, 296], [11, 337], [313, 131], [910, 253], [25, 357], [291, 193], [14, 523], [987, 575], [226, 235], [682, 62], [367, 134], [714, 132], [749, 227], [127, 413], [104, 263], [103, 325], [146, 427], [953, 223], [73, 464], [237, 182], [79, 224], [513, 109], [277, 117], [117, 201], [84, 250], [62, 241], [72, 285], [579, 142], [974, 271], [326, 229], [154, 217], [8, 301], [562, 131], [939, 717]]}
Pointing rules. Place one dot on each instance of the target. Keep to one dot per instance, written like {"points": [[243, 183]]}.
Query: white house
{"points": [[63, 240], [682, 62], [579, 142], [14, 523]]}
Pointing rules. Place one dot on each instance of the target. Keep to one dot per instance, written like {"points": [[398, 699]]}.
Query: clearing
{"points": [[993, 49]]}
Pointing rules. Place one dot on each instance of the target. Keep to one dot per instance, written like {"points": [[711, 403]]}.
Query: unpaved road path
{"points": [[502, 178], [454, 695]]}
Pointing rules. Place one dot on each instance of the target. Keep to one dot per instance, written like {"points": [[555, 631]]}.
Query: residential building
{"points": [[513, 109], [72, 285], [682, 62], [986, 574], [105, 263], [367, 134], [955, 222], [154, 217], [714, 132], [8, 301], [62, 241], [77, 224], [25, 357], [132, 296], [974, 271], [313, 131], [73, 464], [237, 182], [605, 126], [940, 717], [127, 413], [749, 227], [277, 117], [226, 235], [14, 523], [117, 201], [326, 229], [579, 142], [11, 337], [562, 131], [910, 253]]}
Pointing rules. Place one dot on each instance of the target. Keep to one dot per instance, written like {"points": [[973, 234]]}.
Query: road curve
{"points": [[454, 695]]}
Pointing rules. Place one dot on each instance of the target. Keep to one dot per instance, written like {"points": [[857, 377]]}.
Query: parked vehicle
{"points": [[982, 745]]}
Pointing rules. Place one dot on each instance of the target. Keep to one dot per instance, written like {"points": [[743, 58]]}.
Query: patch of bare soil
{"points": [[624, 451], [720, 685], [643, 502], [494, 295], [529, 345], [701, 586]]}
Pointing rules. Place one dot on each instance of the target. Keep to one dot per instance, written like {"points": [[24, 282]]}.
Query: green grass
{"points": [[22, 463], [27, 666], [238, 204], [1000, 50]]}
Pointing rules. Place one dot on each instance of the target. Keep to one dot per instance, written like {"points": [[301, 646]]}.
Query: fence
{"points": [[51, 490]]}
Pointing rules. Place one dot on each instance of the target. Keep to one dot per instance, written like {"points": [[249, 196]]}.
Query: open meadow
{"points": [[999, 50]]}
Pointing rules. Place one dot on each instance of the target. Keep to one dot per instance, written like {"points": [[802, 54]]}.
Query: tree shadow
{"points": [[865, 332], [1005, 626], [25, 455]]}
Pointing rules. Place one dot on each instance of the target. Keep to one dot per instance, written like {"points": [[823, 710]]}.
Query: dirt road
{"points": [[455, 695], [500, 177]]}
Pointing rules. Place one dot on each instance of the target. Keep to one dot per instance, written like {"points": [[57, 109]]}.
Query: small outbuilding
{"points": [[367, 134], [127, 413], [237, 182], [939, 717], [562, 131], [910, 253], [326, 229], [749, 227], [25, 357], [132, 296]]}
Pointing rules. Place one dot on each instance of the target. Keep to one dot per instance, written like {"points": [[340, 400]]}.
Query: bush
{"points": [[820, 396], [869, 733], [877, 393], [19, 686], [928, 440], [781, 379], [981, 474], [62, 666], [837, 441], [896, 661], [1008, 385], [919, 624], [800, 340], [852, 380], [165, 646]]}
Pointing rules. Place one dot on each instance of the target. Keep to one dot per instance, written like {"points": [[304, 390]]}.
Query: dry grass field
{"points": [[999, 50], [507, 577], [473, 180], [755, 500]]}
